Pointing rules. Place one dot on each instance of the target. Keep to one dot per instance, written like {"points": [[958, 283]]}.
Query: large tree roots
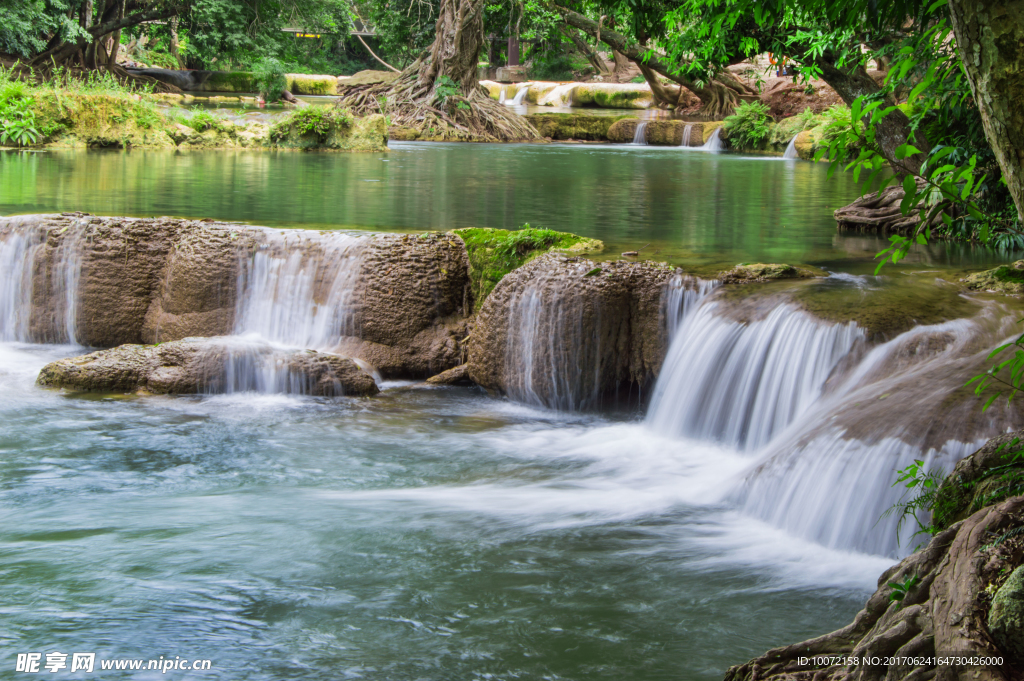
{"points": [[880, 213], [938, 630], [414, 112]]}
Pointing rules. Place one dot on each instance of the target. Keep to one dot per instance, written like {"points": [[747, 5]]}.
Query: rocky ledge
{"points": [[209, 366]]}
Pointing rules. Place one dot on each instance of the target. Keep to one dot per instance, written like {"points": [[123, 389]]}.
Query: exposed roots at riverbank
{"points": [[67, 76], [413, 106]]}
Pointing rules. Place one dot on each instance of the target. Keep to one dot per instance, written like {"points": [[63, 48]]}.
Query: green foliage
{"points": [[313, 120], [900, 590], [200, 119], [493, 253], [750, 127], [447, 93], [268, 75], [17, 119], [922, 486]]}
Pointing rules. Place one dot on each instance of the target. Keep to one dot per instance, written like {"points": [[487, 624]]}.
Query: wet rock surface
{"points": [[201, 365], [570, 332]]}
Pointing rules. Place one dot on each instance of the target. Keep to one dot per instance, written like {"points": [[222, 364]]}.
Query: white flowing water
{"points": [[791, 150], [560, 96], [503, 94], [520, 97], [741, 383], [640, 135], [714, 142], [687, 131], [683, 296], [298, 288]]}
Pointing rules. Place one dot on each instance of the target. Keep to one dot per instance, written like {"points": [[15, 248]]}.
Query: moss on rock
{"points": [[329, 129], [1003, 279], [564, 126], [100, 121], [304, 84], [760, 272], [493, 253], [1006, 617], [230, 81]]}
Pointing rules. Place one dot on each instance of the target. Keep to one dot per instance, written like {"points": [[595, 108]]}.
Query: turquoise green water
{"points": [[695, 209]]}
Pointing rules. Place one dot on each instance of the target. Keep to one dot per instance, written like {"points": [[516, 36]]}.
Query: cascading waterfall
{"points": [[740, 383], [791, 150], [22, 251], [503, 94], [640, 136], [298, 289], [520, 95], [714, 142], [687, 131], [683, 296]]}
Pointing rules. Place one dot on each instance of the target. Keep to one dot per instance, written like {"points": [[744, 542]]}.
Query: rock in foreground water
{"points": [[209, 365]]}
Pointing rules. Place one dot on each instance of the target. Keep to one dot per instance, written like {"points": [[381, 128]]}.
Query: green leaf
{"points": [[905, 150]]}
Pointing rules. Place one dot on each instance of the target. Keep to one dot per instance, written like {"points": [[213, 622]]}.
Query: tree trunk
{"points": [[592, 56], [415, 101], [173, 47], [989, 38]]}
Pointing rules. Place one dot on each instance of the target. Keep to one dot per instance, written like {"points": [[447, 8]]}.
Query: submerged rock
{"points": [[1003, 279], [569, 332], [760, 272], [209, 365]]}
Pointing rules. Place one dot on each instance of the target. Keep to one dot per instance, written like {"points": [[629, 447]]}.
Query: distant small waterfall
{"points": [[791, 150], [298, 288], [521, 93], [742, 383], [640, 136], [24, 259], [714, 142], [503, 94], [687, 131]]}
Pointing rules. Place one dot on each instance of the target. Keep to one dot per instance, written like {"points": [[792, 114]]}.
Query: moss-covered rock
{"points": [[1006, 617], [1003, 279], [305, 84], [613, 95], [493, 253], [993, 473], [368, 77], [329, 129], [565, 126], [760, 272], [230, 81], [100, 121], [805, 145]]}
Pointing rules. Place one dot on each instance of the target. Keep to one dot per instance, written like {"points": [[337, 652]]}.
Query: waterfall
{"points": [[520, 95], [791, 150], [297, 288], [503, 94], [24, 259], [714, 142], [682, 297], [552, 357], [741, 383], [687, 131], [640, 136]]}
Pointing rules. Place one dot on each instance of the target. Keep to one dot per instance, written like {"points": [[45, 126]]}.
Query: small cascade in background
{"points": [[714, 142], [741, 383], [298, 288], [24, 259], [552, 358], [503, 94], [687, 131], [791, 150], [640, 136], [520, 95]]}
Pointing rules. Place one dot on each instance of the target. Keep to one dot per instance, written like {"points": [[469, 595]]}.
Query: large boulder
{"points": [[1006, 618], [209, 365], [569, 333], [564, 126]]}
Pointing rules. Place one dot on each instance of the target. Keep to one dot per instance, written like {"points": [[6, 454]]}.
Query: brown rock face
{"points": [[570, 333], [663, 133], [201, 365]]}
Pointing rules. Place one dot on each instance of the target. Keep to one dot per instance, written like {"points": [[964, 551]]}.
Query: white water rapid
{"points": [[714, 142], [518, 100], [687, 131], [640, 136]]}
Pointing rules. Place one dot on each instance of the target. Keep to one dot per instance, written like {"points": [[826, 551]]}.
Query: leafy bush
{"points": [[750, 127], [201, 120], [268, 74], [17, 120], [313, 120]]}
